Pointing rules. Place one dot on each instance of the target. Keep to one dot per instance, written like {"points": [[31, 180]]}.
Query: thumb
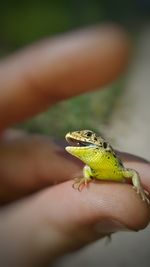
{"points": [[59, 219]]}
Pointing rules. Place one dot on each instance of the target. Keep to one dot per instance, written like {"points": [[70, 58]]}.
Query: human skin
{"points": [[43, 216]]}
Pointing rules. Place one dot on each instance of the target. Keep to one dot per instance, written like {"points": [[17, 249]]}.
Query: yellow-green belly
{"points": [[107, 168], [108, 174]]}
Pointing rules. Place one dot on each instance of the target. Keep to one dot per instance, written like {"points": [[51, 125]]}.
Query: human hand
{"points": [[51, 221]]}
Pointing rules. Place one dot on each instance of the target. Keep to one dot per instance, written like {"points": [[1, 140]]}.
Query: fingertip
{"points": [[104, 200]]}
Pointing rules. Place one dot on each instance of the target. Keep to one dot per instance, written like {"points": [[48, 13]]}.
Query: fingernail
{"points": [[109, 226]]}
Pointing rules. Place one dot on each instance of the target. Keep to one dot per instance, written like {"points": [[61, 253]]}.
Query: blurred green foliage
{"points": [[88, 111], [22, 22]]}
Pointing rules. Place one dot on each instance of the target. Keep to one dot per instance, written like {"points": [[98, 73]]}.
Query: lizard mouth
{"points": [[77, 143]]}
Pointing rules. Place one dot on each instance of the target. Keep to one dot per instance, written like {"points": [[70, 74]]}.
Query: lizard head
{"points": [[86, 145]]}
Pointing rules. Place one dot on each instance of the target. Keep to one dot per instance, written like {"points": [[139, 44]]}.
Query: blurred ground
{"points": [[130, 131]]}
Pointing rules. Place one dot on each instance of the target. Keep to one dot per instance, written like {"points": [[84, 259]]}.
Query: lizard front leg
{"points": [[83, 181]]}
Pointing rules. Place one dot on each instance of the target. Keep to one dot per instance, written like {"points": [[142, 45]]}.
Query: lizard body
{"points": [[101, 161]]}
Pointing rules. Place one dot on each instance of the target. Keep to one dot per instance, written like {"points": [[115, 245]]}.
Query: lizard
{"points": [[101, 161]]}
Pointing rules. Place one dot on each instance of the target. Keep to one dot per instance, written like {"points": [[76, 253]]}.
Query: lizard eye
{"points": [[105, 145], [88, 134]]}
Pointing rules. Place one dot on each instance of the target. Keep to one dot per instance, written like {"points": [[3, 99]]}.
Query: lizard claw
{"points": [[143, 194], [79, 183], [146, 192]]}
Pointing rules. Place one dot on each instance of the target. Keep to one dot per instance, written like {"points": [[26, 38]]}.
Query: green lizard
{"points": [[101, 161]]}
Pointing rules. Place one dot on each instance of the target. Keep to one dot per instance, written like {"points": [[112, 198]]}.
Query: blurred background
{"points": [[121, 113]]}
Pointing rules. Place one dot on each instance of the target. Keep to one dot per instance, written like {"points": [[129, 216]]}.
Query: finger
{"points": [[59, 68], [29, 163], [61, 219], [127, 157]]}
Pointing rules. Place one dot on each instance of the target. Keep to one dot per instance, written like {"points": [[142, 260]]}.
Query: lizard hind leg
{"points": [[80, 182], [136, 181]]}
